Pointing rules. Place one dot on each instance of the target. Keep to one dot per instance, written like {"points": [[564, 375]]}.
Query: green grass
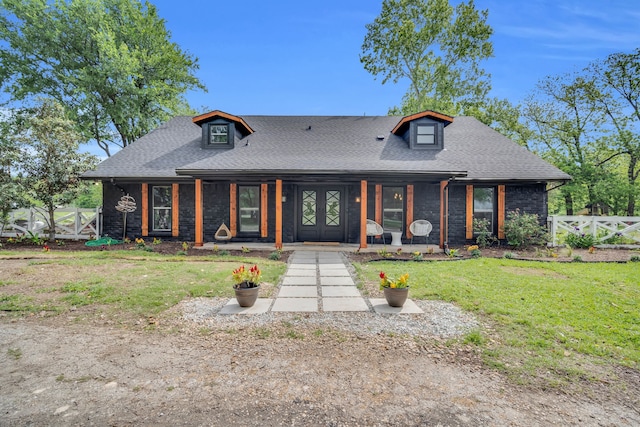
{"points": [[140, 283], [546, 315]]}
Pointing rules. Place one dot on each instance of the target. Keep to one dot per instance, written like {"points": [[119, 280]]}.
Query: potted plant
{"points": [[395, 290], [246, 285]]}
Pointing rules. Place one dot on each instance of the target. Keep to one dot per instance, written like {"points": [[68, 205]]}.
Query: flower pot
{"points": [[396, 296], [246, 297]]}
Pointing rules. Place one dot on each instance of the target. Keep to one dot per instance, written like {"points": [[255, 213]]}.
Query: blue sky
{"points": [[302, 58]]}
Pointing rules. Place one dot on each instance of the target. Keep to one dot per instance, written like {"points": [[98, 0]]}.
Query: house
{"points": [[284, 179]]}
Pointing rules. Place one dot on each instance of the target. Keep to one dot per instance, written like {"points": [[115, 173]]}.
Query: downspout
{"points": [[446, 215]]}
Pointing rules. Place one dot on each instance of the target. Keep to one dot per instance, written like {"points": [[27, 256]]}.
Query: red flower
{"points": [[382, 275]]}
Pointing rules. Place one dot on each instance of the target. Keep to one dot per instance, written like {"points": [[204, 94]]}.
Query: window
{"points": [[249, 208], [218, 134], [392, 208], [161, 199], [484, 205], [426, 135]]}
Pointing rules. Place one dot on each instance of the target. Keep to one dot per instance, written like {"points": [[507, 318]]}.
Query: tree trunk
{"points": [[568, 203], [631, 176], [52, 223]]}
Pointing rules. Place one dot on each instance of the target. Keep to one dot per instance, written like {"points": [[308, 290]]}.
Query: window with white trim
{"points": [[249, 208], [161, 206], [392, 208]]}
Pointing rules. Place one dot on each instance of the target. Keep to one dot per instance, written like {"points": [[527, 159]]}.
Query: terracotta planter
{"points": [[396, 297], [246, 297]]}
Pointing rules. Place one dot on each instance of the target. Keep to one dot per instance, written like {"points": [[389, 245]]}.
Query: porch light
{"points": [[357, 199]]}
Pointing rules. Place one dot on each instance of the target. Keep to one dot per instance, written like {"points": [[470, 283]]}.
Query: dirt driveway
{"points": [[60, 373]]}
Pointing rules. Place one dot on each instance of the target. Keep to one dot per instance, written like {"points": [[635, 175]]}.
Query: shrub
{"points": [[275, 255], [508, 255], [523, 229], [578, 239], [484, 237]]}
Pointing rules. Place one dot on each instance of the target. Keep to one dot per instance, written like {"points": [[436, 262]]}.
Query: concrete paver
{"points": [[295, 304], [344, 304], [340, 291], [337, 281], [299, 280], [261, 306], [380, 306], [298, 291]]}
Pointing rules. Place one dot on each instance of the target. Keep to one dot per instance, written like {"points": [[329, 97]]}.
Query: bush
{"points": [[580, 240], [484, 237], [523, 229]]}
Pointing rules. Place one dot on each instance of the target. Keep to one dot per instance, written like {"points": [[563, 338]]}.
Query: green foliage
{"points": [[544, 316], [523, 229], [578, 239], [275, 255], [89, 196], [51, 166], [111, 62], [436, 47], [484, 236], [146, 284]]}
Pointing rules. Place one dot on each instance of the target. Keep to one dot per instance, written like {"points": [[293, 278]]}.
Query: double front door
{"points": [[321, 213]]}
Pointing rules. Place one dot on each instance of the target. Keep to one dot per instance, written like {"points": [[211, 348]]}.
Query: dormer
{"points": [[220, 130], [423, 131]]}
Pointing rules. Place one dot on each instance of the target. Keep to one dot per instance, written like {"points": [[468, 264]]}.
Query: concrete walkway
{"points": [[318, 281]]}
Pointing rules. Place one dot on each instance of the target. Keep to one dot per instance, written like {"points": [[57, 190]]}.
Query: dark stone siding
{"points": [[353, 213], [457, 215], [113, 220], [527, 198], [187, 206], [426, 205], [215, 200], [531, 199]]}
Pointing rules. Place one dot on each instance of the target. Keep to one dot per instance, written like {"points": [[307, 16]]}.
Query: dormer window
{"points": [[423, 131], [220, 129], [426, 134], [218, 134]]}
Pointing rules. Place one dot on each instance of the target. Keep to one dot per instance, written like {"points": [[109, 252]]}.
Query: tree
{"points": [[110, 62], [617, 92], [437, 47], [51, 165], [568, 126], [11, 193]]}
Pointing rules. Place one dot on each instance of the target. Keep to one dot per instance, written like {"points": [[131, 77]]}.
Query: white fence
{"points": [[70, 223], [606, 230]]}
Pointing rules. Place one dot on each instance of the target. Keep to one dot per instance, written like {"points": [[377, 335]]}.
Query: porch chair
{"points": [[375, 229], [421, 228]]}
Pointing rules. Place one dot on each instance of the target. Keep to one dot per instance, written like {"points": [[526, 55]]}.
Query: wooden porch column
{"points": [[363, 214], [233, 209], [409, 210], [378, 204], [278, 214], [144, 207], [469, 213], [264, 224], [443, 212], [199, 216]]}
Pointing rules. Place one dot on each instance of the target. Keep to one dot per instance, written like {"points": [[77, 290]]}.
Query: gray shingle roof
{"points": [[340, 144]]}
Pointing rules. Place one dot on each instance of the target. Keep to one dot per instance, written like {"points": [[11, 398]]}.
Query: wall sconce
{"points": [[357, 199], [284, 198]]}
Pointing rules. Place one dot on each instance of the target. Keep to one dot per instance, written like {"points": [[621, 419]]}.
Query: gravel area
{"points": [[440, 319]]}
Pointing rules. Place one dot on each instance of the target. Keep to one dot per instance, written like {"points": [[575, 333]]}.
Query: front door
{"points": [[321, 213]]}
